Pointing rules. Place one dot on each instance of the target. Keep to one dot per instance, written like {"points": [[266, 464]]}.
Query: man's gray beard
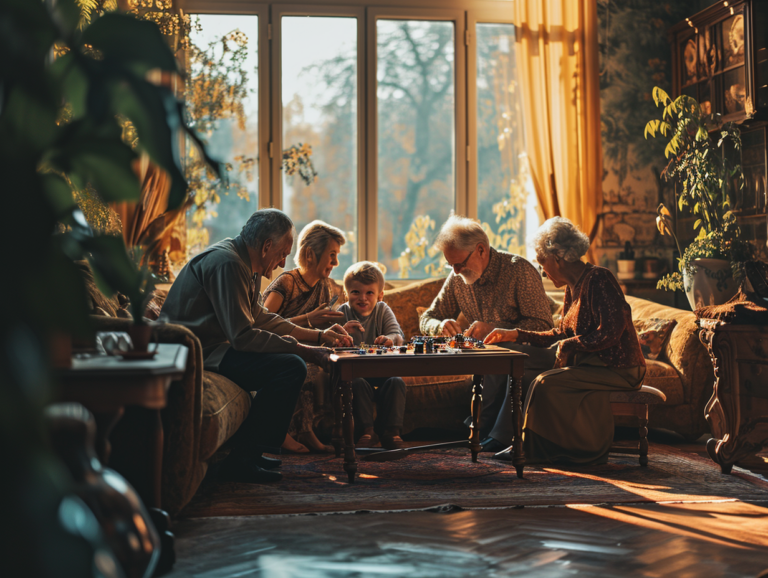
{"points": [[468, 281]]}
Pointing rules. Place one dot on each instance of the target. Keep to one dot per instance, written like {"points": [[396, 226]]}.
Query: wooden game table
{"points": [[492, 360]]}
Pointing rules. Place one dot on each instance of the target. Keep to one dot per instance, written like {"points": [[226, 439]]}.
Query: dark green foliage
{"points": [[41, 291]]}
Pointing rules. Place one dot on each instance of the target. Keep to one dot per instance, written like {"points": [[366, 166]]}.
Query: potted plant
{"points": [[626, 262], [706, 166]]}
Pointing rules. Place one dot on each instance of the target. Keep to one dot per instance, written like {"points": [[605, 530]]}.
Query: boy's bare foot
{"points": [[310, 440], [291, 445]]}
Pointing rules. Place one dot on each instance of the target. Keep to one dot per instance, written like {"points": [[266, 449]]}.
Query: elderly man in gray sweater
{"points": [[489, 289], [217, 297]]}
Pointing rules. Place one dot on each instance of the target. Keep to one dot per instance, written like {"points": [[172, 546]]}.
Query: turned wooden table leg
{"points": [[350, 459], [643, 431], [105, 421], [477, 406], [517, 418], [337, 396]]}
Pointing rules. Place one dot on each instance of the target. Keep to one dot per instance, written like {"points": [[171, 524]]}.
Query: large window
{"points": [[223, 105], [379, 120], [319, 120], [416, 145]]}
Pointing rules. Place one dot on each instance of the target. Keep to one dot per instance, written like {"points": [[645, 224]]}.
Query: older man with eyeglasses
{"points": [[487, 289]]}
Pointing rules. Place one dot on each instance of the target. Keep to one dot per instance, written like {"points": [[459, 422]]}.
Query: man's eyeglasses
{"points": [[459, 266]]}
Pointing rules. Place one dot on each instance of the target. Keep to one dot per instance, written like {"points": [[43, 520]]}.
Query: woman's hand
{"points": [[501, 336], [336, 337], [322, 316], [478, 330], [383, 340], [354, 326]]}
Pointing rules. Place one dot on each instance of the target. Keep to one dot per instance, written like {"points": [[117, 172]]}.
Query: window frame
{"points": [[465, 14]]}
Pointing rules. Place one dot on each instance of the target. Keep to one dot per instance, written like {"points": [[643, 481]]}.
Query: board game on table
{"points": [[449, 358]]}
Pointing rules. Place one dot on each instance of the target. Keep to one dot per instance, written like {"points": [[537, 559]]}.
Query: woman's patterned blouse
{"points": [[298, 297], [597, 319]]}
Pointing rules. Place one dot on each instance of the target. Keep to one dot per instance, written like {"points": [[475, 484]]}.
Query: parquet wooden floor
{"points": [[719, 538], [675, 540]]}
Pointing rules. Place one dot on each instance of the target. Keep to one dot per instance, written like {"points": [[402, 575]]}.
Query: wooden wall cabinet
{"points": [[720, 57]]}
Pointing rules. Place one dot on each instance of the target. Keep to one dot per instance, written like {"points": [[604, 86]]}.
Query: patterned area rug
{"points": [[318, 484]]}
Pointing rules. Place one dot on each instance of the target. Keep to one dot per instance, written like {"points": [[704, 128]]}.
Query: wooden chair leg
{"points": [[643, 430]]}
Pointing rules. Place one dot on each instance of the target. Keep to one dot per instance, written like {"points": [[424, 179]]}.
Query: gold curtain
{"points": [[148, 221], [557, 57]]}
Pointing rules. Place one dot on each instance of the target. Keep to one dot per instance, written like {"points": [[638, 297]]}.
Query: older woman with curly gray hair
{"points": [[567, 409]]}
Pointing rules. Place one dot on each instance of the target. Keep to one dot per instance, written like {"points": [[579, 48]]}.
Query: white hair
{"points": [[315, 237], [461, 233], [561, 238]]}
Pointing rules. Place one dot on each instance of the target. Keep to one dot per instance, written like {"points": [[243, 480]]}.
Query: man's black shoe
{"points": [[491, 445], [246, 471], [268, 463], [505, 455]]}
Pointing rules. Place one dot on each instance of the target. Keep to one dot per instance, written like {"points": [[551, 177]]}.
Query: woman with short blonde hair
{"points": [[302, 296]]}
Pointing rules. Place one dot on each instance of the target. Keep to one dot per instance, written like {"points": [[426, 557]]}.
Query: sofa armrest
{"points": [[182, 417], [683, 350]]}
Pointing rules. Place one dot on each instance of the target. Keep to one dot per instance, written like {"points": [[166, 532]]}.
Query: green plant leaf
{"points": [[127, 39], [73, 80], [66, 15], [58, 193], [106, 164], [650, 128]]}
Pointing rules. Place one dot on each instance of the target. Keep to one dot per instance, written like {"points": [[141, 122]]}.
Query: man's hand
{"points": [[336, 337], [322, 316], [450, 327], [501, 336], [479, 330], [383, 340], [320, 356]]}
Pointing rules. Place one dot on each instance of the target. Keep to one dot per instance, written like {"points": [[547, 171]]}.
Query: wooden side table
{"points": [[738, 409], [105, 385]]}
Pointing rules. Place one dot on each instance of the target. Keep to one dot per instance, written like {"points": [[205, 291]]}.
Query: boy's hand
{"points": [[383, 340], [354, 326]]}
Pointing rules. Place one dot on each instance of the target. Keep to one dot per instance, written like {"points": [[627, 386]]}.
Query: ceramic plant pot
{"points": [[712, 284], [140, 336], [626, 269]]}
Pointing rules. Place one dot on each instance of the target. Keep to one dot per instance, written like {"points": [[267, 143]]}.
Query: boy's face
{"points": [[363, 298]]}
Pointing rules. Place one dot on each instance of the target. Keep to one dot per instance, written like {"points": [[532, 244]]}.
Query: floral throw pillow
{"points": [[652, 334]]}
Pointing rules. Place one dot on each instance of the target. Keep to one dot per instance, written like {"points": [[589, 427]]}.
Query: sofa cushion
{"points": [[403, 302], [663, 377], [225, 407], [652, 334]]}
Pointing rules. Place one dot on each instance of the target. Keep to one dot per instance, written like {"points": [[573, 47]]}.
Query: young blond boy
{"points": [[369, 320]]}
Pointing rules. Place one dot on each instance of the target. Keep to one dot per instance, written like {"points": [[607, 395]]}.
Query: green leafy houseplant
{"points": [[100, 74], [706, 166]]}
